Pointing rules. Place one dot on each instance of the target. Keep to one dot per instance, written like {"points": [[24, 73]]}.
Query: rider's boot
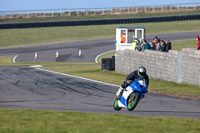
{"points": [[119, 93]]}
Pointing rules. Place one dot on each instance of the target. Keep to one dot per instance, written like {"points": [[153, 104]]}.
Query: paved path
{"points": [[24, 87], [69, 51]]}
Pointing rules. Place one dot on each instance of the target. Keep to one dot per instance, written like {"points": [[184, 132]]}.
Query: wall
{"points": [[159, 65], [177, 66], [191, 66]]}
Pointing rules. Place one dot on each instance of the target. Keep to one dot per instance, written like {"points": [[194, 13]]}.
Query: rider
{"points": [[137, 74]]}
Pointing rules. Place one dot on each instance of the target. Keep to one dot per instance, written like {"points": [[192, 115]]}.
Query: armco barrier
{"points": [[100, 22]]}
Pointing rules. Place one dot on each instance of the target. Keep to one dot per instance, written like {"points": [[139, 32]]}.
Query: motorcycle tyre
{"points": [[137, 99], [116, 107]]}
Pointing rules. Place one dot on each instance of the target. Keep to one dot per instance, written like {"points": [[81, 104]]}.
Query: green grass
{"points": [[34, 36], [37, 121], [69, 18], [178, 45]]}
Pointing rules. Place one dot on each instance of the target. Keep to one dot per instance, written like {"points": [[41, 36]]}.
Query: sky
{"points": [[7, 5]]}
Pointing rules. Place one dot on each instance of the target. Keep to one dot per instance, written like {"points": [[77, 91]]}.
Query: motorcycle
{"points": [[131, 95]]}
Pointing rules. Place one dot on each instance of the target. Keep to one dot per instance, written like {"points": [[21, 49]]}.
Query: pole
{"points": [[10, 14], [3, 14], [69, 12], [44, 13], [52, 13]]}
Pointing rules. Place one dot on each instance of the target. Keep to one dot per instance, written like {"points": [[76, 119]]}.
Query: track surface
{"points": [[69, 51], [23, 87]]}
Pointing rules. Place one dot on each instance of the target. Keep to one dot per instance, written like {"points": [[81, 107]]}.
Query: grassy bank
{"points": [[34, 36], [70, 18], [37, 121]]}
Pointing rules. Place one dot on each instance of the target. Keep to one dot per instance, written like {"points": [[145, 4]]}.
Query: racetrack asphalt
{"points": [[69, 51], [25, 87]]}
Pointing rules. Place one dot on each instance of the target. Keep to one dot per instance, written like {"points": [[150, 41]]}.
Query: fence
{"points": [[100, 22], [98, 11]]}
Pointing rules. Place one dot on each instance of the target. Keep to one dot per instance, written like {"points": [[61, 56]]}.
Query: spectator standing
{"points": [[163, 46], [134, 44], [147, 45], [168, 46], [151, 45], [139, 46], [198, 42]]}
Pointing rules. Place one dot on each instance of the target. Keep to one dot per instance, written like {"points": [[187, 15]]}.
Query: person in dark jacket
{"points": [[168, 46], [198, 42], [163, 46], [137, 74]]}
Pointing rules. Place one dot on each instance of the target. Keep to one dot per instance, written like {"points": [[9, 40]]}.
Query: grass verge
{"points": [[37, 121], [34, 36]]}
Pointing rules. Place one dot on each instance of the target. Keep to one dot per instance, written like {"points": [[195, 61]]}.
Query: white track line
{"points": [[96, 59], [77, 77], [14, 59]]}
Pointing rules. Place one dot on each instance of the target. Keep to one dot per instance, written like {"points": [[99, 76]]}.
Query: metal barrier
{"points": [[100, 22], [18, 14]]}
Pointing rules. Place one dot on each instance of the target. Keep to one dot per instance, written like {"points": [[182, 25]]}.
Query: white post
{"points": [[86, 12], [153, 9], [77, 12], [187, 8], [128, 10], [145, 9], [44, 13], [94, 11], [111, 11], [103, 11], [161, 8], [170, 8], [69, 12], [178, 8], [52, 13], [120, 11], [136, 10], [3, 13], [10, 14]]}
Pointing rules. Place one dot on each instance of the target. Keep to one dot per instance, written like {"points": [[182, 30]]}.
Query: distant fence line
{"points": [[100, 22], [98, 11]]}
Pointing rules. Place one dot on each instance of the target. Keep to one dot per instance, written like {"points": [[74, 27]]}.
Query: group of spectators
{"points": [[156, 44]]}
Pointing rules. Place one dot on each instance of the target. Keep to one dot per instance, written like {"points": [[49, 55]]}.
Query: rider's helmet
{"points": [[141, 71]]}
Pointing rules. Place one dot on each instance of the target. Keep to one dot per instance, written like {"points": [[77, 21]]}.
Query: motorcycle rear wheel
{"points": [[132, 101], [116, 106]]}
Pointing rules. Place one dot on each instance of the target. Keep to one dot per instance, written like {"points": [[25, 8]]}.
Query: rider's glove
{"points": [[124, 84]]}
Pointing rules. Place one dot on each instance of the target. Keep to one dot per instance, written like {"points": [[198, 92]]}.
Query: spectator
{"points": [[198, 42], [163, 46], [134, 44], [146, 44], [156, 45], [168, 46], [157, 39], [151, 45], [139, 46]]}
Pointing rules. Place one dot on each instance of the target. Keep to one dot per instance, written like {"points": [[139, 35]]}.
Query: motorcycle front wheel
{"points": [[116, 106], [132, 101]]}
